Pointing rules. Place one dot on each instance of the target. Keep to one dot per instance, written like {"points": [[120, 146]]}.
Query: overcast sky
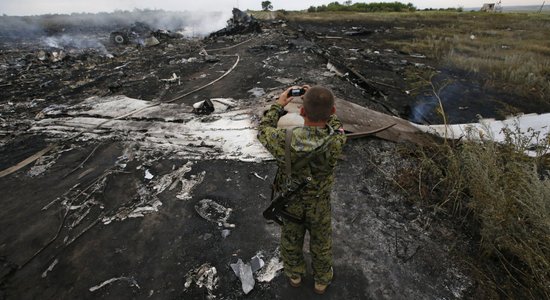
{"points": [[34, 7]]}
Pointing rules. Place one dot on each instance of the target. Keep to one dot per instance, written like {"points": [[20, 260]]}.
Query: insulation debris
{"points": [[148, 175], [145, 202], [173, 79], [203, 276], [271, 270], [214, 212], [42, 164], [257, 92], [187, 185], [171, 181]]}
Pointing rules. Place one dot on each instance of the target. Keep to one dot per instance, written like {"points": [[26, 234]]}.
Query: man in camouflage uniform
{"points": [[314, 151]]}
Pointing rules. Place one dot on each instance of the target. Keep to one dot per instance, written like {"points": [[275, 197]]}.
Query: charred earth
{"points": [[117, 210]]}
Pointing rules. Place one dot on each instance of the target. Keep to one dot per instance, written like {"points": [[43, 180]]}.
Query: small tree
{"points": [[266, 5], [347, 3]]}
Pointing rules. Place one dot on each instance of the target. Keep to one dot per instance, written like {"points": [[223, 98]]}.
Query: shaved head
{"points": [[318, 103]]}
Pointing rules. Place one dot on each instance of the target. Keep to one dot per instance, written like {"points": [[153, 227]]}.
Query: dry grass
{"points": [[503, 192], [499, 188]]}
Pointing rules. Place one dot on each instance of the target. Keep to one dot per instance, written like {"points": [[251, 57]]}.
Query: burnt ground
{"points": [[384, 246]]}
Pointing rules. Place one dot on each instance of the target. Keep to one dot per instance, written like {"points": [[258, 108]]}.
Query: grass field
{"points": [[511, 50]]}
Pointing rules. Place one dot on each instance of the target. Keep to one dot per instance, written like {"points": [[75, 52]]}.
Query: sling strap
{"points": [[288, 141]]}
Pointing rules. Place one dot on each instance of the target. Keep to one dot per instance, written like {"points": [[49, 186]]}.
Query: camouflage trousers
{"points": [[317, 220]]}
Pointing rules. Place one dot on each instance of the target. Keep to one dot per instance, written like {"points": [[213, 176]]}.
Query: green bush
{"points": [[365, 7]]}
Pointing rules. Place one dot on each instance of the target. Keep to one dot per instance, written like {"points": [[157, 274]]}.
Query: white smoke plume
{"points": [[74, 42], [30, 27]]}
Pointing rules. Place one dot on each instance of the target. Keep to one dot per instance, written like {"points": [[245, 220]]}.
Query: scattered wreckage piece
{"points": [[144, 202], [209, 106], [271, 270], [357, 31], [256, 262], [171, 180], [130, 34], [203, 276], [245, 274], [264, 273], [50, 268], [142, 34], [187, 185], [229, 134], [214, 212], [245, 271], [361, 120], [150, 41], [204, 107], [118, 37], [524, 125], [225, 134], [130, 280], [27, 161], [173, 79]]}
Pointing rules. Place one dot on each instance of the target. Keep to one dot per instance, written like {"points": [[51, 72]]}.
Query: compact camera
{"points": [[296, 92]]}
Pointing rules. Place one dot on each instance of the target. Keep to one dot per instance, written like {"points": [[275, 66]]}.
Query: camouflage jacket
{"points": [[325, 143]]}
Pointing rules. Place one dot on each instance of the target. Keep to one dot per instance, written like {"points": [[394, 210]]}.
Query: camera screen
{"points": [[296, 92]]}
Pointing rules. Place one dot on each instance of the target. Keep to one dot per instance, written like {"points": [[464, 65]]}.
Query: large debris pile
{"points": [[142, 34], [240, 23]]}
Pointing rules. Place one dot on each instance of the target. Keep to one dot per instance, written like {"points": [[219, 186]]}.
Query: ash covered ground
{"points": [[160, 203]]}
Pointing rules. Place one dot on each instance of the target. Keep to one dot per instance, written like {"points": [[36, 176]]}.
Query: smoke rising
{"points": [[74, 42], [32, 27]]}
